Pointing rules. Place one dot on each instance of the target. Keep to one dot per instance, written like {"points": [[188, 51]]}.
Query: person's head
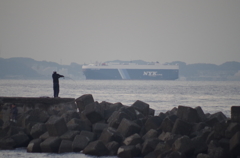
{"points": [[13, 105], [54, 72]]}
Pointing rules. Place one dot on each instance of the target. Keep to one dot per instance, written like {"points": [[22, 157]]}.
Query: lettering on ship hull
{"points": [[151, 73]]}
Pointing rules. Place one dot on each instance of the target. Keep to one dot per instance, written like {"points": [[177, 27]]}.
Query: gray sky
{"points": [[83, 31]]}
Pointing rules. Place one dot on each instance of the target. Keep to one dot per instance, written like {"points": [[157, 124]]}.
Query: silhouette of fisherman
{"points": [[55, 78]]}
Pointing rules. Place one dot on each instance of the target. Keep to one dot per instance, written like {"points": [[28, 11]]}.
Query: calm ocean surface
{"points": [[212, 96]]}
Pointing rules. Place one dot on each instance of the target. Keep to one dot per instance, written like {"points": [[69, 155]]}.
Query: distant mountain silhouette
{"points": [[201, 71], [27, 68]]}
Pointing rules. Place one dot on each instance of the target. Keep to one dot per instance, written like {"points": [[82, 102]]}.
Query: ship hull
{"points": [[131, 74]]}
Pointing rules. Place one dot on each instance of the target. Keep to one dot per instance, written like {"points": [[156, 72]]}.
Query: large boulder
{"points": [[82, 140], [116, 118], [234, 145], [3, 133], [7, 143], [199, 144], [216, 151], [127, 128], [182, 127], [168, 138], [90, 135], [174, 154], [34, 116], [188, 114], [219, 115], [98, 128], [211, 121], [151, 112], [12, 130], [219, 130], [93, 112], [110, 134], [112, 148], [21, 140], [199, 126], [141, 107], [65, 146], [224, 143], [232, 128], [161, 150], [149, 145], [152, 133], [1, 122], [235, 114], [79, 143], [133, 140], [109, 108], [50, 145], [167, 125], [56, 126], [96, 148], [83, 101], [131, 112], [128, 151], [153, 122], [70, 114], [79, 125], [183, 145], [44, 136], [37, 130], [34, 146], [173, 111], [201, 155], [69, 135], [200, 113]]}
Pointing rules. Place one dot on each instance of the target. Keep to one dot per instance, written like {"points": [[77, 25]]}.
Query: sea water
{"points": [[212, 96]]}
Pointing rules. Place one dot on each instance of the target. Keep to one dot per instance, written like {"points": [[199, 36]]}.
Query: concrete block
{"points": [[65, 146], [110, 134], [127, 128], [37, 130], [50, 145], [94, 112], [83, 101], [96, 148], [34, 146], [128, 151], [141, 107], [133, 140], [181, 127], [188, 114], [56, 126]]}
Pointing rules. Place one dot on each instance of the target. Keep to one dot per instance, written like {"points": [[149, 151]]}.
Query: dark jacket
{"points": [[14, 111], [55, 77]]}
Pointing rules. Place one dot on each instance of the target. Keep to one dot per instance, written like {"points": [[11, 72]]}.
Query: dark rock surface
{"points": [[113, 129], [56, 126]]}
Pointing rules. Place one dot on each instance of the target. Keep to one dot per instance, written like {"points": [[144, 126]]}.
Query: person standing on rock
{"points": [[13, 113], [55, 77]]}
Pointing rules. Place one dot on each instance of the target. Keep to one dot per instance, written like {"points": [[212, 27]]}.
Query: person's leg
{"points": [[57, 90], [14, 117]]}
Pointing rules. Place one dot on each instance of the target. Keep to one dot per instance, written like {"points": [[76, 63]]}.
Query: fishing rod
{"points": [[66, 77], [77, 109], [69, 78]]}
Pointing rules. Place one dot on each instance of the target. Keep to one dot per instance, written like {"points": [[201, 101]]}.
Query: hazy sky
{"points": [[84, 31]]}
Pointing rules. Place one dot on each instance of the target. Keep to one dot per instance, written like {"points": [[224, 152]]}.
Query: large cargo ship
{"points": [[131, 71]]}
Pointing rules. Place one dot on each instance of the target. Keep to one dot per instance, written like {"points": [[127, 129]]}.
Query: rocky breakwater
{"points": [[105, 128]]}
